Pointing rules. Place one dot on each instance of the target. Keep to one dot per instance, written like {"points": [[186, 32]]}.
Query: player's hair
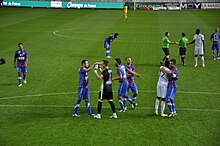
{"points": [[2, 61], [118, 60], [174, 61], [105, 62], [20, 44], [167, 63], [83, 61], [183, 34], [127, 58], [217, 29], [166, 33], [116, 34], [197, 31]]}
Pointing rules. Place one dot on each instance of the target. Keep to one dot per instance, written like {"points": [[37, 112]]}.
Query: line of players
{"points": [[198, 39], [21, 55], [125, 76]]}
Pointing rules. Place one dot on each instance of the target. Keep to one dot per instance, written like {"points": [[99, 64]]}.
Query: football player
{"points": [[123, 86], [172, 87], [105, 89], [83, 89], [198, 39], [107, 43], [215, 38], [20, 63], [165, 46]]}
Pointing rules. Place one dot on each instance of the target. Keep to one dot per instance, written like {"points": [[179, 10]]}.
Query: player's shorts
{"points": [[182, 51], [105, 95], [83, 93], [171, 92], [161, 90], [123, 89], [166, 51], [133, 87], [22, 69], [106, 45], [215, 46], [198, 50]]}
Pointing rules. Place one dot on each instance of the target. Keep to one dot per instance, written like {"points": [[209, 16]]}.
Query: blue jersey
{"points": [[121, 72], [83, 77], [108, 40], [21, 56], [215, 37], [130, 79], [172, 83]]}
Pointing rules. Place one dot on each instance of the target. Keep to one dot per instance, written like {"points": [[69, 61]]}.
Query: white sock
{"points": [[157, 102], [203, 60], [162, 107], [196, 60]]}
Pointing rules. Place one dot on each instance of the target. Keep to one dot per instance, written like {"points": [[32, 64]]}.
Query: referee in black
{"points": [[106, 88]]}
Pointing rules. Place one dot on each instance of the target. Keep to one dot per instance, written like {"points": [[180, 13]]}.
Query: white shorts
{"points": [[199, 50], [161, 90]]}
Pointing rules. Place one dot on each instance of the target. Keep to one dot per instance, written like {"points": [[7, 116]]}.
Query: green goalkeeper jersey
{"points": [[165, 42], [183, 42]]}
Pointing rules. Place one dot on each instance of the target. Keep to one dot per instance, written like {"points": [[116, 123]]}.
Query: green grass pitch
{"points": [[39, 113]]}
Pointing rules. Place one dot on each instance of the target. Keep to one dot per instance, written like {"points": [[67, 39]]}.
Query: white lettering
{"points": [[184, 6], [73, 5], [197, 5], [91, 6]]}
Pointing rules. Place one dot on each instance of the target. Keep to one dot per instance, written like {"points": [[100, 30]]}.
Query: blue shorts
{"points": [[123, 89], [83, 93], [22, 69], [106, 45], [215, 46], [171, 92], [133, 87]]}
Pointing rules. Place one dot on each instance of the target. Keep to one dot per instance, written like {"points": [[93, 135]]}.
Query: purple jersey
{"points": [[130, 79], [21, 56], [215, 37], [121, 72], [172, 83], [83, 77], [109, 39]]}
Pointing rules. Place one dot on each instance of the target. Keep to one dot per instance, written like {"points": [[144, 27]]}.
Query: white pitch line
{"points": [[57, 33], [68, 106], [66, 93]]}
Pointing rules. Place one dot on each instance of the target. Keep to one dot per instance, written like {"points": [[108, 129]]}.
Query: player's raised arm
{"points": [[166, 70], [96, 72], [193, 41], [91, 67], [133, 72]]}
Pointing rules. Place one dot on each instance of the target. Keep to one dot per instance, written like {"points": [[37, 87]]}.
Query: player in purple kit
{"points": [[215, 38], [20, 63], [130, 72], [172, 87], [107, 42], [123, 86], [83, 89]]}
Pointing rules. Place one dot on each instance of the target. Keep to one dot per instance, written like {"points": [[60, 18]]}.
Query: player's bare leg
{"points": [[25, 78]]}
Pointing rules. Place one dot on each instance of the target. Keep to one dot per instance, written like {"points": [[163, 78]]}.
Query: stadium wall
{"points": [[118, 4], [174, 5], [61, 4]]}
